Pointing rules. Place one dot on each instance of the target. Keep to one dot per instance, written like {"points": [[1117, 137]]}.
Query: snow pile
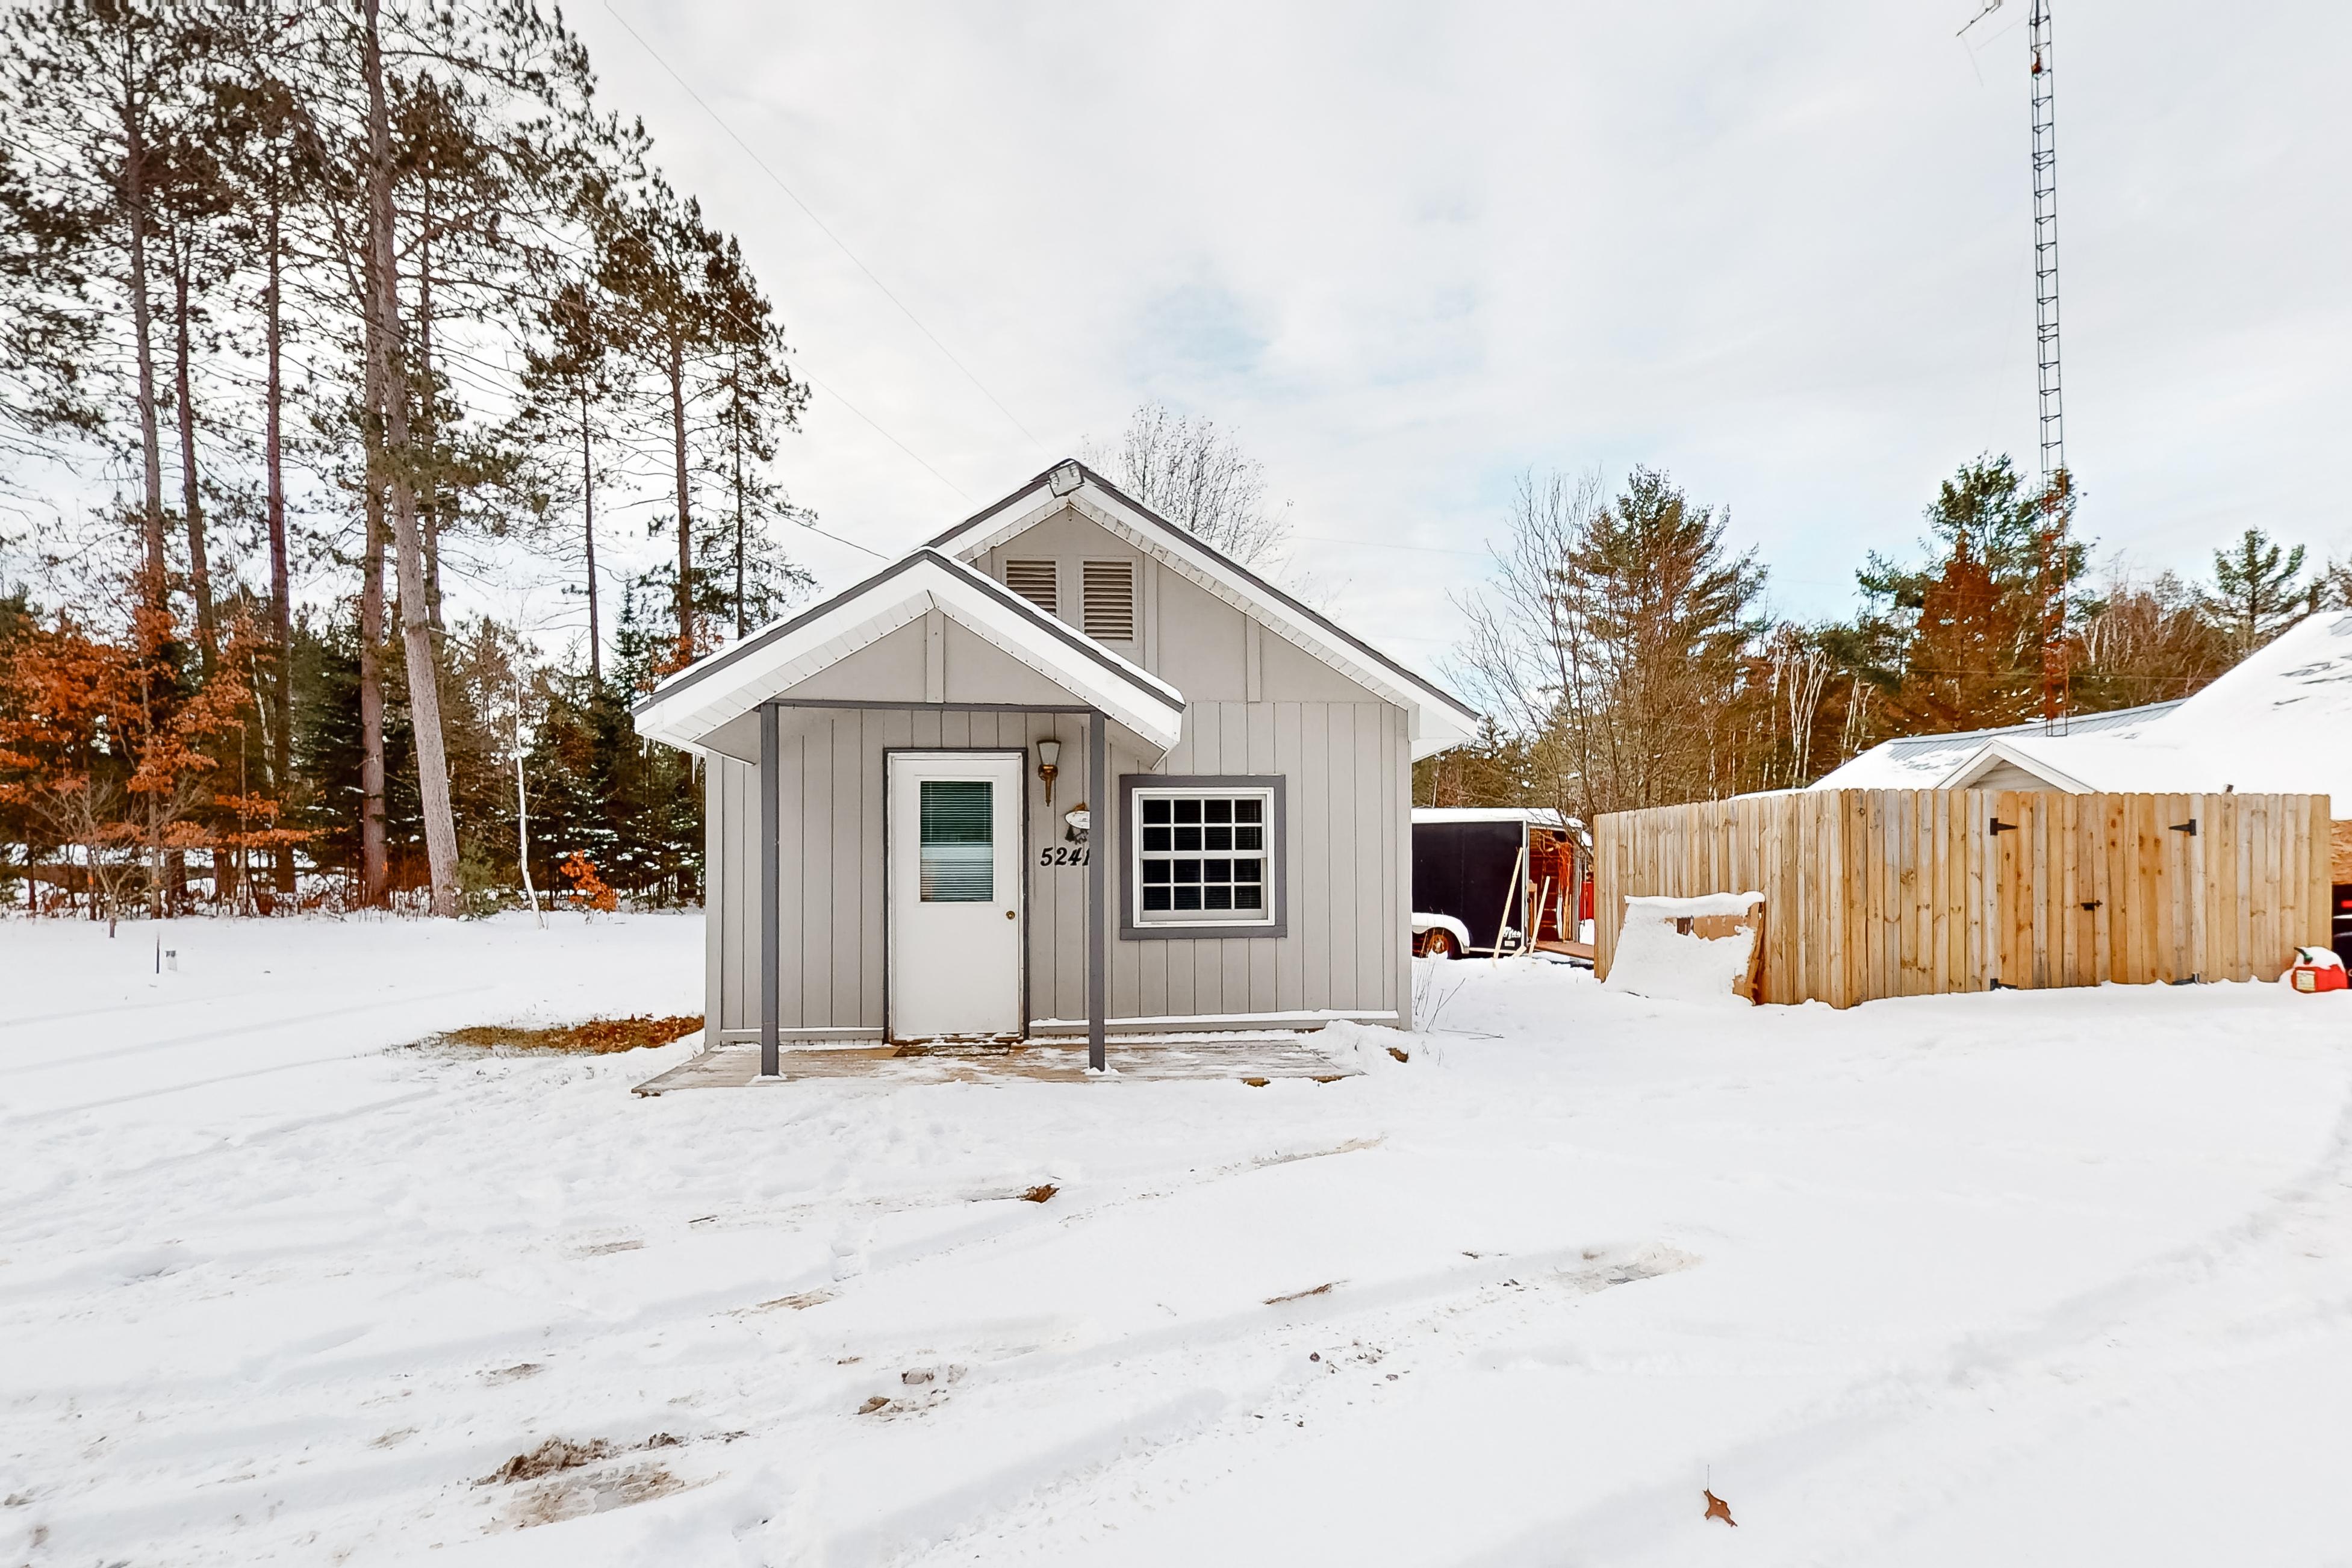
{"points": [[1367, 1048], [1655, 959], [2036, 1277]]}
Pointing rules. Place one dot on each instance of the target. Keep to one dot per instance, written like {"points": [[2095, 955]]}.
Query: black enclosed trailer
{"points": [[1487, 867]]}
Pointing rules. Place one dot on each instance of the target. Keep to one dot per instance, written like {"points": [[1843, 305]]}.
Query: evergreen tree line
{"points": [[1624, 656], [345, 306]]}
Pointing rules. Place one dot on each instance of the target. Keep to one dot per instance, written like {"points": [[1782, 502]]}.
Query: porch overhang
{"points": [[710, 706]]}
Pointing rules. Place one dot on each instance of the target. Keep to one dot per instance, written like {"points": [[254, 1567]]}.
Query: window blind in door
{"points": [[958, 841]]}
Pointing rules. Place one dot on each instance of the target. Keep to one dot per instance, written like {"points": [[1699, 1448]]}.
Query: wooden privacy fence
{"points": [[1874, 893]]}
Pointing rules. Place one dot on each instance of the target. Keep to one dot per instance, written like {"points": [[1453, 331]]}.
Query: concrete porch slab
{"points": [[1252, 1059]]}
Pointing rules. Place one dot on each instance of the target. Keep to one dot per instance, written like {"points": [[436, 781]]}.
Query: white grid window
{"points": [[1203, 856]]}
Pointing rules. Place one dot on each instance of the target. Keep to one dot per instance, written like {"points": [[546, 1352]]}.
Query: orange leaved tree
{"points": [[115, 748]]}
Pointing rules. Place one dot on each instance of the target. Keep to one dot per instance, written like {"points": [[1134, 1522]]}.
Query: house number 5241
{"points": [[1062, 854]]}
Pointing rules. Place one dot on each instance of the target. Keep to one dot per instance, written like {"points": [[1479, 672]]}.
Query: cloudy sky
{"points": [[1409, 251]]}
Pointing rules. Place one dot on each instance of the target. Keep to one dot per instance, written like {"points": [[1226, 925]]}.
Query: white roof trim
{"points": [[1439, 721], [685, 707], [1533, 816], [1984, 758]]}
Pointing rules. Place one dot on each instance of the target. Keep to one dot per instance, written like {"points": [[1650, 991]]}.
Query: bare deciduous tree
{"points": [[1530, 656], [1198, 477]]}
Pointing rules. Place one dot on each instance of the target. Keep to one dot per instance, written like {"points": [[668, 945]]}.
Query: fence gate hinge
{"points": [[2090, 904], [2189, 827], [2001, 827]]}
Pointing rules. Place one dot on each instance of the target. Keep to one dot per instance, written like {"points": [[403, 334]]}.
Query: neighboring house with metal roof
{"points": [[1064, 767], [1929, 761], [2279, 723]]}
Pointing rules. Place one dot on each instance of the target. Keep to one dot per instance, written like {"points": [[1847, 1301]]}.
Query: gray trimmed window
{"points": [[1202, 856]]}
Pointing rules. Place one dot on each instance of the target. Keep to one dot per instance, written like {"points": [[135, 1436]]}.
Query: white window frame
{"points": [[1270, 918]]}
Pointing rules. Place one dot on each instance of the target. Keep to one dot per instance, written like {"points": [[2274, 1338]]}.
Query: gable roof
{"points": [[2020, 754], [1439, 720], [689, 705]]}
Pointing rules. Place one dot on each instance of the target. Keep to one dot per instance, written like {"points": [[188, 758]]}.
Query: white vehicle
{"points": [[1439, 936]]}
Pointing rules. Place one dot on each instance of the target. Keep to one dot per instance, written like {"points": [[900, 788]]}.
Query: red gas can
{"points": [[2317, 969]]}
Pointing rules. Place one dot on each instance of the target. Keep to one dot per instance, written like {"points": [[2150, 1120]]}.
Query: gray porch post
{"points": [[771, 891], [1098, 806]]}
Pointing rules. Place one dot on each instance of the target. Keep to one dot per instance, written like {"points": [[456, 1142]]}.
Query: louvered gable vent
{"points": [[1037, 582], [1110, 600]]}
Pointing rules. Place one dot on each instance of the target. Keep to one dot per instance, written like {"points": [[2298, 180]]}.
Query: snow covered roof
{"points": [[2280, 722], [688, 706], [1440, 720], [1533, 816], [1927, 762]]}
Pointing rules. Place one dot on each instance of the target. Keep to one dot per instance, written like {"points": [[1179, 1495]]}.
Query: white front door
{"points": [[955, 876]]}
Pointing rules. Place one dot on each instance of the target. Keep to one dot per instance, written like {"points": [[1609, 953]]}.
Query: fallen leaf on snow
{"points": [[554, 1501], [798, 1302], [555, 1454], [1323, 1289]]}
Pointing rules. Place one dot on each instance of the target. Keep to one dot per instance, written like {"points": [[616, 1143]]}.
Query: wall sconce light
{"points": [[1049, 757], [1065, 478]]}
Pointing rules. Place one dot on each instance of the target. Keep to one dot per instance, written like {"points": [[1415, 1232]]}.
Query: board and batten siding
{"points": [[1348, 841], [1257, 705]]}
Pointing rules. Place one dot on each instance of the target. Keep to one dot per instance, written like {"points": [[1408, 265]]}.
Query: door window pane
{"points": [[958, 851]]}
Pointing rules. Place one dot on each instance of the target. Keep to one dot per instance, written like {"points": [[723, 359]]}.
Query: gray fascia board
{"points": [[985, 513], [694, 675], [1256, 583], [988, 584]]}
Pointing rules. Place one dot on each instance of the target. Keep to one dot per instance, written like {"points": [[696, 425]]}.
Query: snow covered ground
{"points": [[2062, 1278]]}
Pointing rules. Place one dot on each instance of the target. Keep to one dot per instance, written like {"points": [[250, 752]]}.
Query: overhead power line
{"points": [[885, 435], [826, 230]]}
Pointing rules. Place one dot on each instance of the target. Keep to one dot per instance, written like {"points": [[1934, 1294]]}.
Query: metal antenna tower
{"points": [[2055, 485]]}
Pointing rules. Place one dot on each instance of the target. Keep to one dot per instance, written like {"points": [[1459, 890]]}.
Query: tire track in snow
{"points": [[1879, 1409], [1389, 1327], [241, 1031]]}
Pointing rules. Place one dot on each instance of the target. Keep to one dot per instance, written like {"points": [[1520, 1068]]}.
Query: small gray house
{"points": [[1064, 768]]}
